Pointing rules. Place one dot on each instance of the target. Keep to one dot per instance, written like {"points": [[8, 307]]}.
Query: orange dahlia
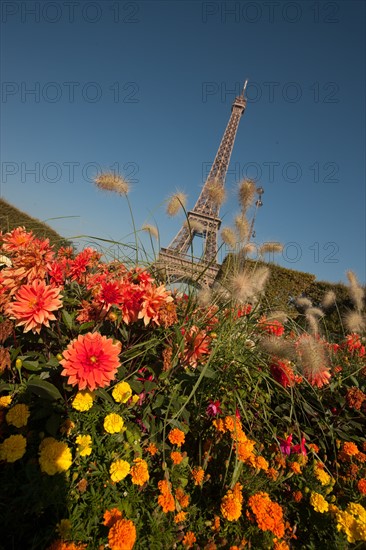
{"points": [[33, 305], [91, 361]]}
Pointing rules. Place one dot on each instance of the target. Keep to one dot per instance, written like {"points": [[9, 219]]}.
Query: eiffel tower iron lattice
{"points": [[174, 262]]}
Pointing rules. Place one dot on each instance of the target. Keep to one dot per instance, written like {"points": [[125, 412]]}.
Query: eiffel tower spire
{"points": [[203, 220]]}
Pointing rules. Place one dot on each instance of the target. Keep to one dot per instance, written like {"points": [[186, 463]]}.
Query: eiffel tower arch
{"points": [[175, 263]]}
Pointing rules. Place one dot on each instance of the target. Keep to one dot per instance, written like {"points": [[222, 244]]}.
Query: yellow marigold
{"points": [[54, 456], [5, 401], [176, 457], [180, 517], [322, 476], [122, 392], [152, 449], [139, 472], [119, 470], [356, 510], [83, 401], [198, 474], [122, 535], [182, 497], [189, 539], [18, 415], [230, 507], [349, 448], [111, 516], [176, 437], [84, 443], [13, 448], [347, 524], [319, 503], [113, 423]]}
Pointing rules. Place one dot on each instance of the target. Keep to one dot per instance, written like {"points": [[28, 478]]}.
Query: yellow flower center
{"points": [[93, 359]]}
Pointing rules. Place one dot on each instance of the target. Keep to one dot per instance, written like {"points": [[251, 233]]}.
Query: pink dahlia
{"points": [[33, 305], [91, 361]]}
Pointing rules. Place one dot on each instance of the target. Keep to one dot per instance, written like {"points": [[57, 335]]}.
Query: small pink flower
{"points": [[213, 408]]}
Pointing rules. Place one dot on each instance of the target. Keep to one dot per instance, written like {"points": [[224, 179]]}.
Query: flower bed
{"points": [[134, 417]]}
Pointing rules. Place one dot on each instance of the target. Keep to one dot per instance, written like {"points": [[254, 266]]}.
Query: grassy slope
{"points": [[11, 217]]}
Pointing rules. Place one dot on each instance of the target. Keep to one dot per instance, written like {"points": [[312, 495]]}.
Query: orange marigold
{"points": [[62, 545], [297, 496], [176, 437], [245, 450], [198, 474], [139, 472], [361, 486], [189, 539], [182, 497], [176, 457], [231, 506], [268, 514], [122, 535], [295, 467], [280, 545], [349, 448], [180, 517], [152, 449], [166, 501], [216, 523], [111, 516], [272, 473]]}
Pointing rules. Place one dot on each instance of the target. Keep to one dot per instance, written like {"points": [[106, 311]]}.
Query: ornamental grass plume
{"points": [[241, 286], [303, 303], [152, 230], [260, 277], [242, 227], [354, 321], [228, 237], [216, 193], [247, 191], [356, 292], [91, 361], [248, 248], [283, 349], [194, 226], [329, 299], [204, 296], [176, 202], [270, 248], [34, 304], [313, 360], [109, 181]]}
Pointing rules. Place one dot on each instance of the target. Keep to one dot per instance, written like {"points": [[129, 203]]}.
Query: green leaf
{"points": [[43, 389], [68, 319], [32, 365]]}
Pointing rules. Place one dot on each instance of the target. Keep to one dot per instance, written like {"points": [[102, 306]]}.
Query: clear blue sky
{"points": [[148, 86]]}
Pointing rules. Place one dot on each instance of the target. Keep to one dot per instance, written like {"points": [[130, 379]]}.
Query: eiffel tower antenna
{"points": [[203, 220]]}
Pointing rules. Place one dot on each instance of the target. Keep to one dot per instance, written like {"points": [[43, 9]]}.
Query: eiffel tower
{"points": [[174, 263]]}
